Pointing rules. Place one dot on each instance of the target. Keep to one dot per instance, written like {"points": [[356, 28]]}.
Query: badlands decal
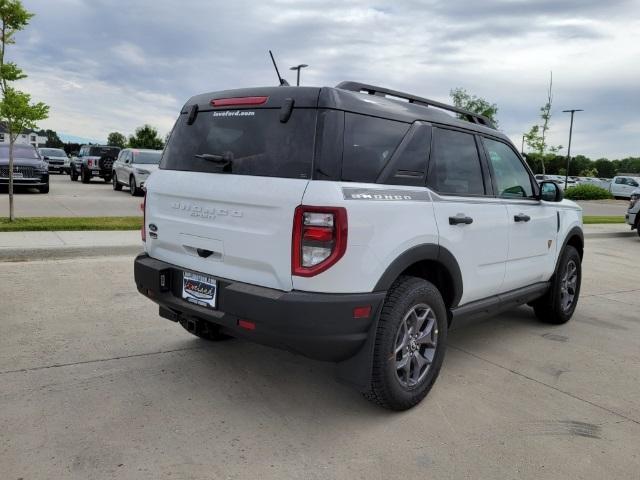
{"points": [[385, 195]]}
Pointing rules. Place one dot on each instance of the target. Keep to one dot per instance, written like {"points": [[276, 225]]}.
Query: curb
{"points": [[609, 234], [60, 253]]}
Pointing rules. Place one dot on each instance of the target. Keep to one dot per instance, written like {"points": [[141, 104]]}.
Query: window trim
{"points": [[532, 180], [486, 177]]}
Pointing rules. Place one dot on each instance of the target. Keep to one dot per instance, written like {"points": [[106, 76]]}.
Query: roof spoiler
{"points": [[425, 102]]}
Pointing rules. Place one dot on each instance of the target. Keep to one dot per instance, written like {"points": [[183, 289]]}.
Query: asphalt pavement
{"points": [[94, 385], [73, 199]]}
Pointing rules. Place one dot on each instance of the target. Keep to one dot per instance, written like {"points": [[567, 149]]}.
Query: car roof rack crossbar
{"points": [[385, 92]]}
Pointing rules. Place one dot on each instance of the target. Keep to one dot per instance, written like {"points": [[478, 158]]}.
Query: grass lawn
{"points": [[603, 219], [33, 224]]}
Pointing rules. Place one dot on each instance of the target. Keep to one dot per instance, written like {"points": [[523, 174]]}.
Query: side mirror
{"points": [[550, 192]]}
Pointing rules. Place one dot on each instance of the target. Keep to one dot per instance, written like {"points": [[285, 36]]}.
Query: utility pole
{"points": [[572, 111], [298, 68], [522, 148]]}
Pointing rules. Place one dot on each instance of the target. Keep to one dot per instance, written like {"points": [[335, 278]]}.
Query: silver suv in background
{"points": [[56, 158], [133, 167], [632, 216]]}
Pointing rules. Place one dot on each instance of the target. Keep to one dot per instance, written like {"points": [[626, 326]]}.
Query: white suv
{"points": [[633, 213], [351, 224]]}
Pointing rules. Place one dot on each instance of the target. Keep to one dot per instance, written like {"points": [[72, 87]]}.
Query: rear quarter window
{"points": [[369, 143]]}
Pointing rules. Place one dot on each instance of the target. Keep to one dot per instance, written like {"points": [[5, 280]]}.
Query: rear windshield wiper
{"points": [[223, 160]]}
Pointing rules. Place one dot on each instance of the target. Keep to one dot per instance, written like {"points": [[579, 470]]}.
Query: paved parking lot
{"points": [[94, 385], [73, 199]]}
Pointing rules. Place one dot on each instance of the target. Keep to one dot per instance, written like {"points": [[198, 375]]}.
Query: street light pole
{"points": [[522, 148], [566, 176], [298, 68]]}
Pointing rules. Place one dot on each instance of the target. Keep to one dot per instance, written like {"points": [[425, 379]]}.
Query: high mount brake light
{"points": [[319, 239], [238, 101]]}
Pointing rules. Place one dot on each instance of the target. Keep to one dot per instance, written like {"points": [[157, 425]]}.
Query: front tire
{"points": [[44, 189], [558, 305], [410, 344], [74, 174]]}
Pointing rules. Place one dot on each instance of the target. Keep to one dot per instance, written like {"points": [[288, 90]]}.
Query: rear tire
{"points": [[86, 177], [558, 305], [204, 330], [133, 188], [116, 185], [410, 344]]}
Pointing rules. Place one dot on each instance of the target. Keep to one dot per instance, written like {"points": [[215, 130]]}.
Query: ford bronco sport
{"points": [[351, 224]]}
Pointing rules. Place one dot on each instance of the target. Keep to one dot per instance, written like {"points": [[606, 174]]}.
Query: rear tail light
{"points": [[90, 162], [238, 101], [319, 239], [143, 230]]}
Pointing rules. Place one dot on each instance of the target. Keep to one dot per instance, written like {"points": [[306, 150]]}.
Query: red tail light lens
{"points": [[238, 101], [89, 162], [143, 230], [319, 239]]}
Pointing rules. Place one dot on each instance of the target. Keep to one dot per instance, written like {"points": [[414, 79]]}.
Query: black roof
{"points": [[349, 100]]}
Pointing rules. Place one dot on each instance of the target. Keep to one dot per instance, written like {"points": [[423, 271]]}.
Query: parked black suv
{"points": [[29, 169], [93, 161]]}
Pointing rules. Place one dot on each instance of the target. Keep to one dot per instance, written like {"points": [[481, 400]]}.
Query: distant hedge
{"points": [[587, 192]]}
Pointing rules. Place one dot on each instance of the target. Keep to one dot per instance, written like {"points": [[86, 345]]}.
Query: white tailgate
{"points": [[245, 221]]}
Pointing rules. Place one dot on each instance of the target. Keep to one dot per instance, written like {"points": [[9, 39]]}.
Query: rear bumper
{"points": [[315, 325]]}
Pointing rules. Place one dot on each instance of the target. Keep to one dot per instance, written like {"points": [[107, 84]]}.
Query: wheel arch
{"points": [[575, 238], [431, 262]]}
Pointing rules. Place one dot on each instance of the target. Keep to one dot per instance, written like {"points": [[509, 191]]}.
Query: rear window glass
{"points": [[102, 151], [256, 142], [369, 143]]}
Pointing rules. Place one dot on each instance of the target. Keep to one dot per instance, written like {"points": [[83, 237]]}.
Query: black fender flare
{"points": [[426, 251], [574, 232]]}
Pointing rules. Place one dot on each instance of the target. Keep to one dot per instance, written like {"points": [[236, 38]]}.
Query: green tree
{"points": [[463, 99], [16, 109], [53, 141], [536, 137], [606, 168], [117, 139], [146, 137]]}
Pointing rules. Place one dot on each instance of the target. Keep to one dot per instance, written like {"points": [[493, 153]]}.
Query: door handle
{"points": [[521, 217], [460, 219]]}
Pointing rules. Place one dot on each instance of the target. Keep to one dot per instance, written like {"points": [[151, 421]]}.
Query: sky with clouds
{"points": [[113, 65]]}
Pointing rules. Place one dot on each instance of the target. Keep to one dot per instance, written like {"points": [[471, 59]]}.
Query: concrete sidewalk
{"points": [[20, 246]]}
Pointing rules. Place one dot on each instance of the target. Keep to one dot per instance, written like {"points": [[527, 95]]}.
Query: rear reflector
{"points": [[362, 312], [238, 101], [246, 324]]}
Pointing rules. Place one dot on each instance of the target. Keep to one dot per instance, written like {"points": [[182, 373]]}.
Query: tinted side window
{"points": [[619, 180], [369, 143], [454, 166], [510, 175]]}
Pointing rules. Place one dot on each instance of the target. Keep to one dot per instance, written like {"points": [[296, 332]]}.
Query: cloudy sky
{"points": [[105, 65]]}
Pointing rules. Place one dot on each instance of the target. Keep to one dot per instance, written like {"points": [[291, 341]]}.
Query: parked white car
{"points": [[623, 185], [133, 167], [633, 213], [348, 226]]}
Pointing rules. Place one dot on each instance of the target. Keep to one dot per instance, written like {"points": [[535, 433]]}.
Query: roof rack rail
{"points": [[384, 92]]}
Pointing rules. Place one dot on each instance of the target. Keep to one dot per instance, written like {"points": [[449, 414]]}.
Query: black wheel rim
{"points": [[415, 345]]}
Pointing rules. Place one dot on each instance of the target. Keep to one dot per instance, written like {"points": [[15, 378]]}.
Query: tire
{"points": [[74, 174], [133, 188], [86, 177], [107, 179], [114, 181], [44, 189], [204, 330], [393, 386], [558, 305]]}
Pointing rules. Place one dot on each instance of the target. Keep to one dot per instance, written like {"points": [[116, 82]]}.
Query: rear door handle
{"points": [[521, 217], [460, 219]]}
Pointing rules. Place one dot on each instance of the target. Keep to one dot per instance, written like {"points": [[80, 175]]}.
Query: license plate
{"points": [[199, 289], [17, 175]]}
